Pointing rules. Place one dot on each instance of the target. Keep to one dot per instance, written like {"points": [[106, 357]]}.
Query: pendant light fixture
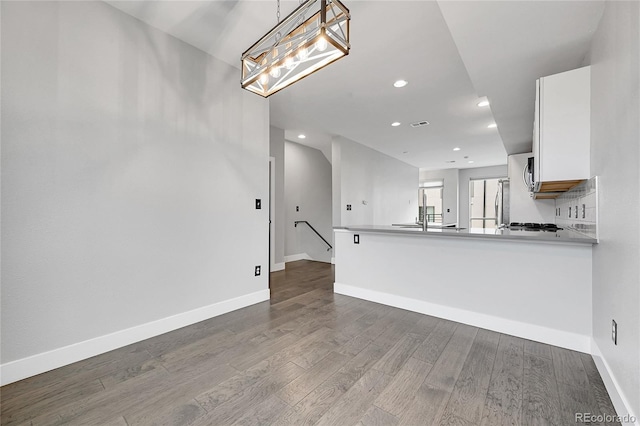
{"points": [[311, 37]]}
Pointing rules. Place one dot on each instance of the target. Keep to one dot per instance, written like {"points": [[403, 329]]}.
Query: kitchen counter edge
{"points": [[566, 236]]}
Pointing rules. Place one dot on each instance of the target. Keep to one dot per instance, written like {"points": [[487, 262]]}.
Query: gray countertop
{"points": [[564, 236]]}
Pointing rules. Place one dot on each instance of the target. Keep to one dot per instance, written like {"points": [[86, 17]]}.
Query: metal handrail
{"points": [[314, 230]]}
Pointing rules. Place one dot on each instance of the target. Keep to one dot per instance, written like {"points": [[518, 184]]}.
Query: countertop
{"points": [[564, 236]]}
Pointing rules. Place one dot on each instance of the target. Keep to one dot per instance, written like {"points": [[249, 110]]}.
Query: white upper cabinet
{"points": [[561, 134]]}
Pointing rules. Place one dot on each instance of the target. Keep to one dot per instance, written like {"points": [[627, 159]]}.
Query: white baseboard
{"points": [[618, 398], [299, 256], [278, 267], [564, 339], [26, 367]]}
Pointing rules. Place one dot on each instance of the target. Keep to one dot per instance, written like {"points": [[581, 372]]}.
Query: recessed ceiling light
{"points": [[395, 123], [400, 83], [483, 103], [492, 126], [456, 149], [301, 136], [470, 161]]}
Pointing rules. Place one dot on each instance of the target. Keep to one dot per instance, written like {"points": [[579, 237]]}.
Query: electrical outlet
{"points": [[297, 208], [356, 239], [348, 207], [584, 211], [257, 271], [614, 332], [576, 212], [258, 203]]}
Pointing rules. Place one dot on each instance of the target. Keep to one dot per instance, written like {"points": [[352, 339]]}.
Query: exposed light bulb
{"points": [[288, 62], [321, 44], [275, 72], [303, 53], [264, 78]]}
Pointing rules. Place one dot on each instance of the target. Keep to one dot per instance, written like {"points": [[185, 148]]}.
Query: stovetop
{"points": [[540, 227]]}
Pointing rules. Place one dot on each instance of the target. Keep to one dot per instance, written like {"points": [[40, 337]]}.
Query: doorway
{"points": [[272, 215], [433, 190]]}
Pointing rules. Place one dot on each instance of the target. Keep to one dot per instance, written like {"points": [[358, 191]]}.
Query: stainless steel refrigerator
{"points": [[502, 203]]}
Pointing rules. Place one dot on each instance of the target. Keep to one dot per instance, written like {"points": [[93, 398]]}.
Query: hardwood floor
{"points": [[311, 357]]}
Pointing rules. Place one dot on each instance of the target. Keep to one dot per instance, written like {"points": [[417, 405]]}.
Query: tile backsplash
{"points": [[577, 209]]}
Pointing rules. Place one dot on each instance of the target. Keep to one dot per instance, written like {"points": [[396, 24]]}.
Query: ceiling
{"points": [[452, 53]]}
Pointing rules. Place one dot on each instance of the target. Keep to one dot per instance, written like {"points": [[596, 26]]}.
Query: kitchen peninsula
{"points": [[535, 285]]}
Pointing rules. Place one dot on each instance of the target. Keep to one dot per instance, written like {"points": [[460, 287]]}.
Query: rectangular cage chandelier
{"points": [[310, 38]]}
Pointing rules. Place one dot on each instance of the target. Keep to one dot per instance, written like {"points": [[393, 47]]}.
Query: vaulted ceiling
{"points": [[452, 53]]}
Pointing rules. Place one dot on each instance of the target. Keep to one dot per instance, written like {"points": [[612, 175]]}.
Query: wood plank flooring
{"points": [[310, 357]]}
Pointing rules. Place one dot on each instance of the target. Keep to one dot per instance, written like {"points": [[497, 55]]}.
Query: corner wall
{"points": [[131, 162], [615, 155]]}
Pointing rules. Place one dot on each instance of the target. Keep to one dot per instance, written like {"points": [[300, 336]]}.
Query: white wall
{"points": [[523, 208], [307, 185], [464, 177], [449, 192], [276, 150], [130, 167], [615, 155], [387, 186]]}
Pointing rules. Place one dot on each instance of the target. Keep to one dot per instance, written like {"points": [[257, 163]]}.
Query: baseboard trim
{"points": [[26, 367], [295, 257], [278, 267], [564, 339], [618, 398]]}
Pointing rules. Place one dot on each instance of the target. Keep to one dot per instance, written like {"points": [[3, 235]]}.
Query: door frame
{"points": [[272, 212]]}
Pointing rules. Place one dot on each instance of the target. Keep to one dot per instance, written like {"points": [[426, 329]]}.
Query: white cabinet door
{"points": [[562, 147]]}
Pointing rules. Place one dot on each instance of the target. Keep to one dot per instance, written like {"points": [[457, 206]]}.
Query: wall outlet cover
{"points": [[257, 270], [258, 203], [614, 332], [297, 208], [356, 239]]}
